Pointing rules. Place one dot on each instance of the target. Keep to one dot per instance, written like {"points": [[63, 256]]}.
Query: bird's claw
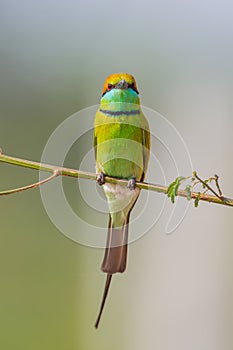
{"points": [[100, 179], [132, 183]]}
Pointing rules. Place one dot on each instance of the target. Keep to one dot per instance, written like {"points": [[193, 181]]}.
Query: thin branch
{"points": [[28, 187], [92, 176]]}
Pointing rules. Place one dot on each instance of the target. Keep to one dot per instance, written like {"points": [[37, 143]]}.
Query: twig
{"points": [[216, 177], [28, 187], [205, 184]]}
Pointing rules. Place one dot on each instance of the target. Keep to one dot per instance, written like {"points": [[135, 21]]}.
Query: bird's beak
{"points": [[122, 85]]}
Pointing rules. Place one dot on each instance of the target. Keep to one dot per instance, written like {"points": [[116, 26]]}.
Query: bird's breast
{"points": [[119, 151]]}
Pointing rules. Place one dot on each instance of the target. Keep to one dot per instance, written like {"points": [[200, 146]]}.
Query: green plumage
{"points": [[123, 145]]}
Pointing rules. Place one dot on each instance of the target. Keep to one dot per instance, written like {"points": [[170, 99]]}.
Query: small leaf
{"points": [[196, 202], [170, 192], [173, 188], [205, 182], [188, 192]]}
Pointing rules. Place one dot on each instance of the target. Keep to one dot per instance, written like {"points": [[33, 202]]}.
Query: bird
{"points": [[122, 150]]}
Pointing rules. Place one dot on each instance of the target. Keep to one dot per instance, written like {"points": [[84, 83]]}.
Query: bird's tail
{"points": [[115, 256], [107, 285]]}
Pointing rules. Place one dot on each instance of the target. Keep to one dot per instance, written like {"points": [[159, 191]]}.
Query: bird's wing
{"points": [[145, 149], [95, 143]]}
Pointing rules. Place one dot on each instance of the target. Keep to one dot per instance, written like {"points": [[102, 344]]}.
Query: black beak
{"points": [[122, 85]]}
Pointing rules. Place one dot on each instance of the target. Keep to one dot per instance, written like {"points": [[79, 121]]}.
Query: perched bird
{"points": [[122, 144]]}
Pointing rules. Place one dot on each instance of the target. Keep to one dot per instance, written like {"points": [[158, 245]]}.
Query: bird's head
{"points": [[120, 87]]}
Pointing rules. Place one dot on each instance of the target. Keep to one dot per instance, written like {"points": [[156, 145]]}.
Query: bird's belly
{"points": [[120, 199], [121, 158]]}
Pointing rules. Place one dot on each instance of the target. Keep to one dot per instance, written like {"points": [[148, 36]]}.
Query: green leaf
{"points": [[173, 188], [205, 181], [188, 192], [196, 202]]}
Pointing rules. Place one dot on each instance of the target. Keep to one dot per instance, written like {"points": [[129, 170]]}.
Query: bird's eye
{"points": [[133, 86], [110, 86]]}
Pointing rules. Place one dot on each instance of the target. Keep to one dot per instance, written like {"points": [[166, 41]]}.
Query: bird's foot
{"points": [[100, 179], [132, 183]]}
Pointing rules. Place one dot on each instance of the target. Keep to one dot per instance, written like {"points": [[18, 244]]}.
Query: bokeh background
{"points": [[177, 290]]}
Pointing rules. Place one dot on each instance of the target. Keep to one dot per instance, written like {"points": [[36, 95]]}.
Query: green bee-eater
{"points": [[122, 144]]}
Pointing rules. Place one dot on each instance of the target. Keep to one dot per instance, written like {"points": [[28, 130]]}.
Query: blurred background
{"points": [[177, 290]]}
